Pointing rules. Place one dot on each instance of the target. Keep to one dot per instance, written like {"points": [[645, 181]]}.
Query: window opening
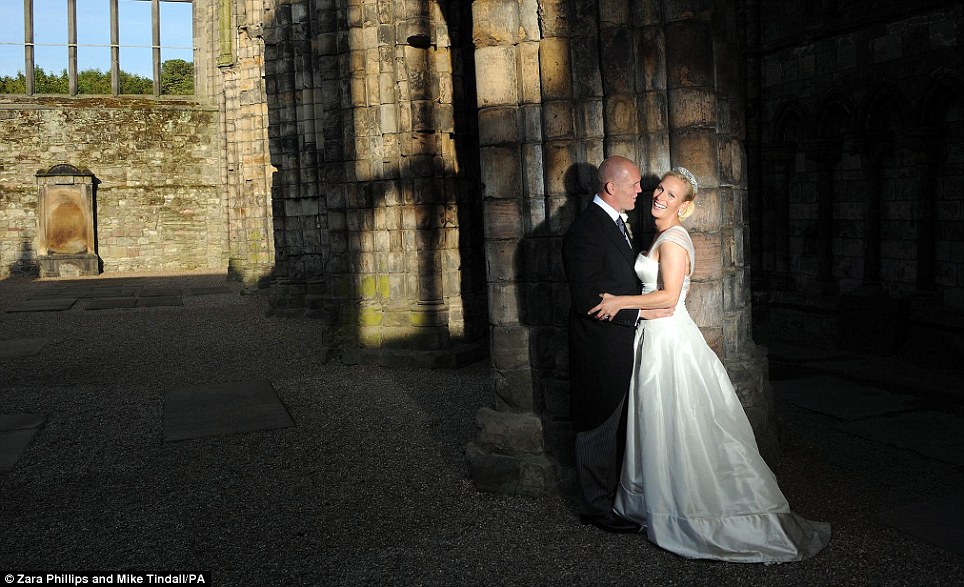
{"points": [[97, 47]]}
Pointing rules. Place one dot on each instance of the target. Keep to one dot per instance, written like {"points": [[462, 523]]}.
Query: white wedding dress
{"points": [[692, 474]]}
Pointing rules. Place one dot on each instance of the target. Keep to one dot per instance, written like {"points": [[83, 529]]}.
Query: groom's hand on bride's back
{"points": [[657, 313]]}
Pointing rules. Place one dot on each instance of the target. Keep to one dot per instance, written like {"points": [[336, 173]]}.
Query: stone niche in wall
{"points": [[67, 237]]}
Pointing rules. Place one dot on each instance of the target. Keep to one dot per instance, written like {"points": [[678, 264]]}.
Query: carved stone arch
{"points": [[835, 117], [789, 123], [884, 110], [939, 97]]}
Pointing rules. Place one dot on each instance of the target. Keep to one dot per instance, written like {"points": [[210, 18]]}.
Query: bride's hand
{"points": [[607, 308]]}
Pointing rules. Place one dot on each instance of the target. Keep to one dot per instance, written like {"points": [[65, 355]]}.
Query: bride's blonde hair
{"points": [[686, 176]]}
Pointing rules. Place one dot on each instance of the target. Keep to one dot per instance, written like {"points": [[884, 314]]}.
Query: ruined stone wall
{"points": [[230, 66], [371, 130], [158, 206], [861, 166], [562, 84]]}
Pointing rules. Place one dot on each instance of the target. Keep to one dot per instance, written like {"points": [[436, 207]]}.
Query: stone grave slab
{"points": [[937, 435], [223, 408], [111, 303], [22, 347], [104, 292], [151, 292], [43, 305], [204, 291], [153, 301], [839, 398], [938, 521], [16, 432]]}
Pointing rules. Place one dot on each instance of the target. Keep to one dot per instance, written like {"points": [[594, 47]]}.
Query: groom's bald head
{"points": [[618, 182]]}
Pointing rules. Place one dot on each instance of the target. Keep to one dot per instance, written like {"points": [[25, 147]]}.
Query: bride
{"points": [[692, 473]]}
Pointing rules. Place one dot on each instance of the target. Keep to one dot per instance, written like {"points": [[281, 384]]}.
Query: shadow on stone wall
{"points": [[25, 263], [374, 244]]}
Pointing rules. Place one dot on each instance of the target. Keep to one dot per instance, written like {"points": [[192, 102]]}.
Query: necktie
{"points": [[623, 228]]}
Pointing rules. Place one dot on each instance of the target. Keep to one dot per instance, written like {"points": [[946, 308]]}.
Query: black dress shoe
{"points": [[610, 522]]}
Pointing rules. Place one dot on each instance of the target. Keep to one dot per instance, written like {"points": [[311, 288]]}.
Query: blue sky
{"points": [[93, 34]]}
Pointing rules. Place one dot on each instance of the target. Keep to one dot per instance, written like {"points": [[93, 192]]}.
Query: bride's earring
{"points": [[679, 213]]}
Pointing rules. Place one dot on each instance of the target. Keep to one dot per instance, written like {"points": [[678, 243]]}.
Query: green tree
{"points": [[93, 81], [177, 78], [89, 81]]}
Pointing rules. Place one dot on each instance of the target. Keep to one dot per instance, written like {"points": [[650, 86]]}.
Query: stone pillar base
{"points": [[69, 265], [532, 475], [509, 456], [750, 377]]}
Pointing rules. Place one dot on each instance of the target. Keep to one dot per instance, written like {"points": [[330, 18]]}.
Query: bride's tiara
{"points": [[688, 175]]}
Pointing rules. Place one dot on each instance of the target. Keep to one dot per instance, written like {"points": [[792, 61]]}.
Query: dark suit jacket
{"points": [[597, 259]]}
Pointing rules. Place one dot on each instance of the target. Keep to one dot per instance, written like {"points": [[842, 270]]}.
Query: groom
{"points": [[598, 256]]}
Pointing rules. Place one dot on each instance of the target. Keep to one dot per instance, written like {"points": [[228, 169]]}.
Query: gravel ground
{"points": [[370, 487]]}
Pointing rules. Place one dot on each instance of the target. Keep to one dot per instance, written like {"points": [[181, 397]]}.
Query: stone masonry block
{"points": [[504, 300], [556, 18], [501, 173], [514, 390], [589, 119], [708, 214], [705, 303], [621, 115], [557, 119], [529, 78], [618, 72], [509, 347], [496, 22], [529, 19], [689, 54], [501, 260], [556, 69], [499, 126], [693, 149], [709, 258], [532, 123], [497, 76], [692, 107], [533, 171], [560, 162], [510, 433]]}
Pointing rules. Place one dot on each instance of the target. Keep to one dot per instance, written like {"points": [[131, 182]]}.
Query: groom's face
{"points": [[625, 190]]}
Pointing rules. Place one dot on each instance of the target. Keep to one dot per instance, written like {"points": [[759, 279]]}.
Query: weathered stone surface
{"points": [[514, 390], [510, 433], [556, 69], [496, 76], [157, 205]]}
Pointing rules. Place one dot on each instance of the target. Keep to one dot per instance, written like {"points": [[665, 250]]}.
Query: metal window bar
{"points": [[72, 45]]}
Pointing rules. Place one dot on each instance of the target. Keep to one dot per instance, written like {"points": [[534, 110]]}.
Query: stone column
{"points": [[509, 454], [872, 149], [643, 79], [825, 153], [235, 81], [779, 159], [705, 84], [927, 141]]}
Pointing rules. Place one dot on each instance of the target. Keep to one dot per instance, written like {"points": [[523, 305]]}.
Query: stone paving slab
{"points": [[939, 521], [43, 305], [152, 301], [203, 291], [22, 347], [104, 292], [111, 303], [839, 398], [934, 434], [223, 408], [149, 292], [16, 432]]}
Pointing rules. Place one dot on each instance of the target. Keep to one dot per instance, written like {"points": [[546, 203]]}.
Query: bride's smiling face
{"points": [[668, 197]]}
